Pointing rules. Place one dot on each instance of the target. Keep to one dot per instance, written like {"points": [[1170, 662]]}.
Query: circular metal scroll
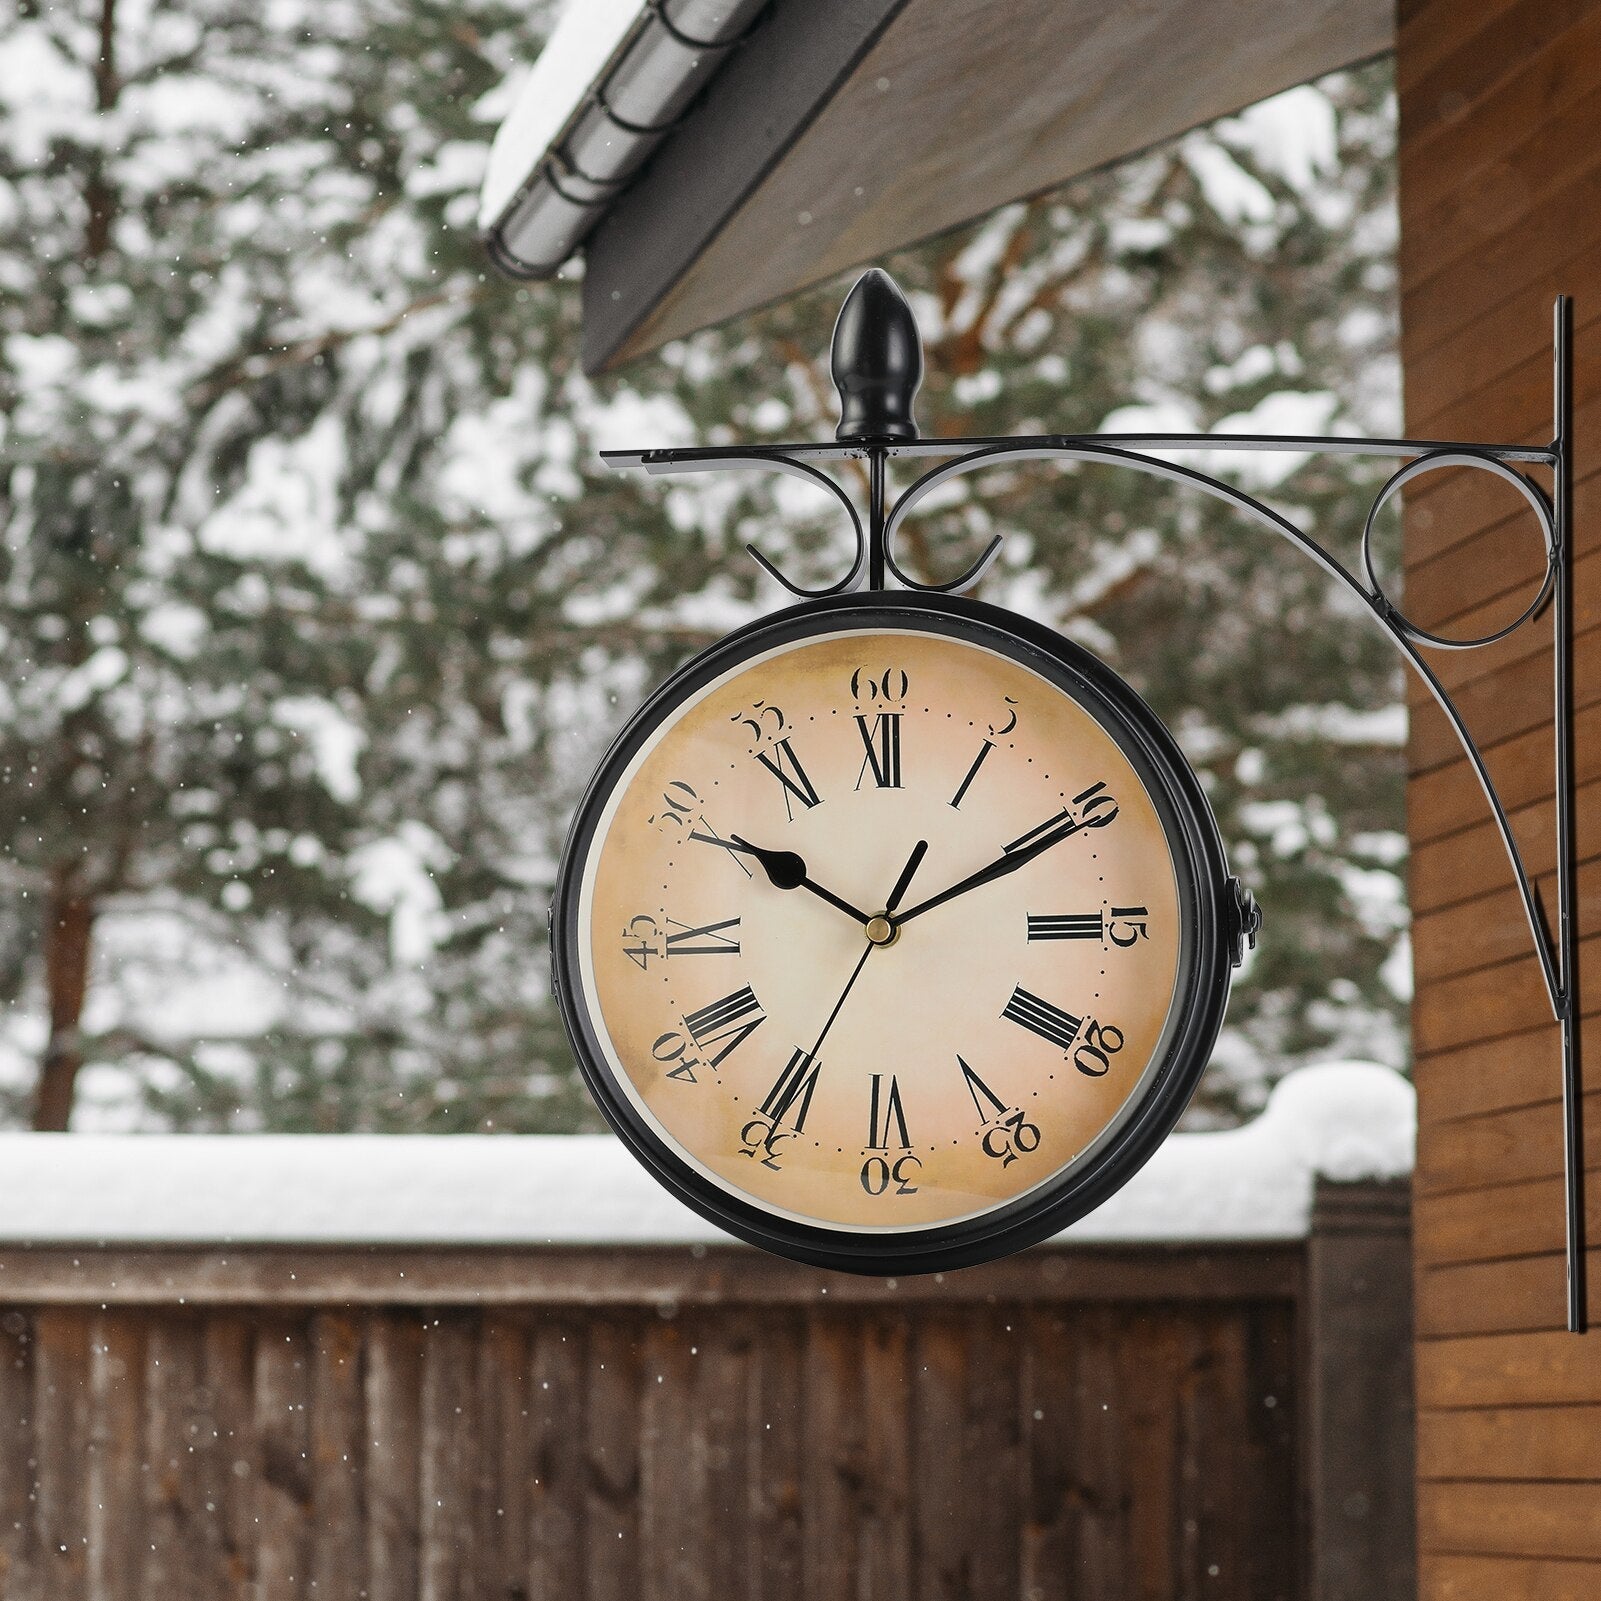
{"points": [[1537, 503]]}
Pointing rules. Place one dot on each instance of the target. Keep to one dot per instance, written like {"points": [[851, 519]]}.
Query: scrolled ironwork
{"points": [[875, 558], [764, 461], [1479, 460]]}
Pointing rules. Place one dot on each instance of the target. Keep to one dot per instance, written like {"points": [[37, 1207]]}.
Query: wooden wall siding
{"points": [[634, 1424], [1500, 183]]}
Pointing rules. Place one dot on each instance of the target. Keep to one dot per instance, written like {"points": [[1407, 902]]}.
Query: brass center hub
{"points": [[881, 931]]}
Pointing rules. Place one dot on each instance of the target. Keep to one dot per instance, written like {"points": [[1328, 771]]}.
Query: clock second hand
{"points": [[918, 852]]}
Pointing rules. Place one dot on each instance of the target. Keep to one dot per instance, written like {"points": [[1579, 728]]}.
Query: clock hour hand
{"points": [[1008, 862], [786, 870]]}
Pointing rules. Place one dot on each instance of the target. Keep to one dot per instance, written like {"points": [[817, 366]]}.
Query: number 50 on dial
{"points": [[894, 933]]}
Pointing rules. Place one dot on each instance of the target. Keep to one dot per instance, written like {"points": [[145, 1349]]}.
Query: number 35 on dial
{"points": [[894, 933]]}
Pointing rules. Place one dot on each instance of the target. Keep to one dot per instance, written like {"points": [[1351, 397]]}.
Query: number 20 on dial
{"points": [[894, 932]]}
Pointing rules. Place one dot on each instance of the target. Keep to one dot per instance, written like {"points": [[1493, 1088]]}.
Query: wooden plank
{"points": [[1444, 104], [1479, 211], [1488, 1225], [233, 1484], [283, 1501], [728, 1399], [172, 1564], [393, 1455], [992, 1436], [1543, 1368], [1521, 1295], [1523, 1520], [1275, 1411], [1427, 34], [781, 1400], [1479, 859], [1526, 1442], [1485, 585], [1489, 1153], [612, 1561], [661, 1279], [338, 1435], [19, 1546], [1116, 1527], [558, 1455], [1541, 86], [1478, 357], [60, 1440], [886, 1564], [1163, 1536], [1490, 1003], [832, 1546], [672, 1469], [116, 1454], [1453, 1576], [1503, 706], [1491, 929], [1516, 404], [1048, 1555], [503, 1479], [449, 1432], [1517, 1070], [942, 1487], [1213, 1454], [1447, 801]]}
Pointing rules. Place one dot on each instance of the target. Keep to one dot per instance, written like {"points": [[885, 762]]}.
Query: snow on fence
{"points": [[511, 1367]]}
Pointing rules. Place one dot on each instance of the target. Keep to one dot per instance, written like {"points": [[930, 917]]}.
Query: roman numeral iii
{"points": [[1123, 925]]}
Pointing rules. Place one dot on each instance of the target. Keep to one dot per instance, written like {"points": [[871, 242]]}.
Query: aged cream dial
{"points": [[879, 930]]}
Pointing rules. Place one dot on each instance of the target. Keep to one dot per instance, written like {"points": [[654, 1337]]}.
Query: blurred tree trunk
{"points": [[69, 931]]}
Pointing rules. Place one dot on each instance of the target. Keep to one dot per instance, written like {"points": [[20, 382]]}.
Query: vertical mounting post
{"points": [[1567, 849]]}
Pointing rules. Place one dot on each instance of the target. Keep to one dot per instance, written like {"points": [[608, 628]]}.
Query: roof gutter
{"points": [[559, 161]]}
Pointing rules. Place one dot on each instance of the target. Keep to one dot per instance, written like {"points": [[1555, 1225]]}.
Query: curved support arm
{"points": [[725, 460], [1392, 623]]}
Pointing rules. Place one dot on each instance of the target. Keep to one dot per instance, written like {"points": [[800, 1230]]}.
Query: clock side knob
{"points": [[1247, 921], [877, 361]]}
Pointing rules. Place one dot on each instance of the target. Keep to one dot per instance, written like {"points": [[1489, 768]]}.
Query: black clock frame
{"points": [[877, 365], [1216, 920]]}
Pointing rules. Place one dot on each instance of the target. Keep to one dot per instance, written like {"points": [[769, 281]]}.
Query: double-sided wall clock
{"points": [[894, 931]]}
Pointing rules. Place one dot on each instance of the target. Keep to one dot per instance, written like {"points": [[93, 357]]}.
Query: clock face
{"points": [[879, 928]]}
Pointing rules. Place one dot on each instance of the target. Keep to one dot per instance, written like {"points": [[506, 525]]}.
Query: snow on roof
{"points": [[1347, 1120]]}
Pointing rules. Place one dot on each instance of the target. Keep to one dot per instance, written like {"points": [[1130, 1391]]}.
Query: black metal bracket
{"points": [[877, 366]]}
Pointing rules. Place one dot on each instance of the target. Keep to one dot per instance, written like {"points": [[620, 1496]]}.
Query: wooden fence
{"points": [[627, 1424]]}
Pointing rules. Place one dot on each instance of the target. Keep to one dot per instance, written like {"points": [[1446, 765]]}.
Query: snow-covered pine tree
{"points": [[317, 608]]}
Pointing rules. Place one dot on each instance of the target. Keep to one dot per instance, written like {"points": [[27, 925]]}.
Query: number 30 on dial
{"points": [[894, 933]]}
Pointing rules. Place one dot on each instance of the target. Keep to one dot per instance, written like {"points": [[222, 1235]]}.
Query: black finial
{"points": [[877, 361]]}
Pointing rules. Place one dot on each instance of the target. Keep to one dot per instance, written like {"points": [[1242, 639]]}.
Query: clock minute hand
{"points": [[1008, 862], [786, 870]]}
